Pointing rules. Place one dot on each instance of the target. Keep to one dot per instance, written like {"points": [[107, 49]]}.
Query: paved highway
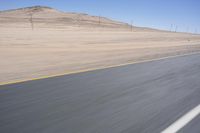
{"points": [[138, 98]]}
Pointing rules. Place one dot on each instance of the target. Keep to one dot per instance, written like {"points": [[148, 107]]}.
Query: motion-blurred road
{"points": [[138, 98]]}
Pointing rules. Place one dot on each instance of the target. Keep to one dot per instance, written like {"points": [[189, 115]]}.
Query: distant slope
{"points": [[47, 15]]}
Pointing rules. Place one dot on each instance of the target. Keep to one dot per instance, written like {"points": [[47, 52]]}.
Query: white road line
{"points": [[180, 123]]}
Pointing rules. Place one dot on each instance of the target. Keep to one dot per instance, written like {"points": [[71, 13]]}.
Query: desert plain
{"points": [[41, 41]]}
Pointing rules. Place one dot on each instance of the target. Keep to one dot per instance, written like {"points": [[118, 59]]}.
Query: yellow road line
{"points": [[93, 69]]}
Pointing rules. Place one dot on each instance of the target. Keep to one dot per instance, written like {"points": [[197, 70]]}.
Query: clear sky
{"points": [[161, 14]]}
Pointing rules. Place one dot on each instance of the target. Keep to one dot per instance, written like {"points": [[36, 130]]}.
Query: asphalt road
{"points": [[139, 98]]}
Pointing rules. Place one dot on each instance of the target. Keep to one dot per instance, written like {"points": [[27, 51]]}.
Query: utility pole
{"points": [[99, 20], [195, 31], [31, 21], [131, 25], [171, 27], [176, 28], [78, 20], [187, 30]]}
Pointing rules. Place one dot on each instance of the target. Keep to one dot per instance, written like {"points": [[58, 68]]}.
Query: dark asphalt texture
{"points": [[138, 98]]}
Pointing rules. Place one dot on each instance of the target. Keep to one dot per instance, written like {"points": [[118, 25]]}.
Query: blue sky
{"points": [[161, 14]]}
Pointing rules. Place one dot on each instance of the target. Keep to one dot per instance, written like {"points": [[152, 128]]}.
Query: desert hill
{"points": [[52, 17]]}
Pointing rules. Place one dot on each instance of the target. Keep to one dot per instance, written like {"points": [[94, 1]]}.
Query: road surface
{"points": [[138, 98]]}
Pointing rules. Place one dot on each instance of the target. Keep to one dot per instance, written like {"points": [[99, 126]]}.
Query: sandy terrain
{"points": [[65, 42]]}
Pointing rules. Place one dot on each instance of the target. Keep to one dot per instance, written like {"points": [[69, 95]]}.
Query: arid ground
{"points": [[40, 41]]}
